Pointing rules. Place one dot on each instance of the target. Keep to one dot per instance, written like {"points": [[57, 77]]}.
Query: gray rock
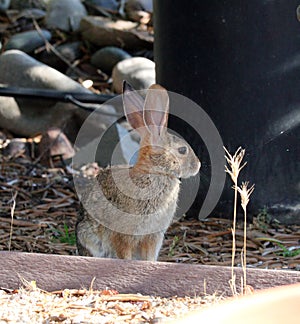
{"points": [[138, 71], [146, 5], [30, 13], [105, 32], [70, 51], [23, 119], [19, 69], [27, 41], [4, 5], [109, 4], [27, 117], [65, 15], [139, 10], [21, 4], [107, 57]]}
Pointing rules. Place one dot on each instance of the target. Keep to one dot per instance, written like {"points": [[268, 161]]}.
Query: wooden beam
{"points": [[55, 272]]}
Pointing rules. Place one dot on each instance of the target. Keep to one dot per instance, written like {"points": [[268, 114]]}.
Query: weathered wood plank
{"points": [[54, 272]]}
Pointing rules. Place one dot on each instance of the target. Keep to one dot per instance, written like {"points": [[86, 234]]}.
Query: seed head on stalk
{"points": [[245, 193], [234, 163]]}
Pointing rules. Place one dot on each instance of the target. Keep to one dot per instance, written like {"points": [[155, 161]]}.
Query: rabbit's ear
{"points": [[156, 109], [133, 106]]}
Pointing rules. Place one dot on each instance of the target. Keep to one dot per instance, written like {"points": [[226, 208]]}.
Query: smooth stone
{"points": [[146, 5], [28, 41], [20, 69], [70, 51], [138, 71], [65, 15], [4, 5], [108, 4], [21, 4], [27, 117], [139, 10], [107, 57], [102, 32], [30, 13]]}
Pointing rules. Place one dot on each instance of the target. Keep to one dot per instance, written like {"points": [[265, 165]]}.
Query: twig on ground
{"points": [[55, 51], [12, 212]]}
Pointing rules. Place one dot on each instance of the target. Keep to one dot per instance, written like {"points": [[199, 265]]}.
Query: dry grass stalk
{"points": [[233, 170], [12, 212], [245, 193]]}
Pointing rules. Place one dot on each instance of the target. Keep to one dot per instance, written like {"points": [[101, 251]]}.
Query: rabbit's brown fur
{"points": [[126, 210]]}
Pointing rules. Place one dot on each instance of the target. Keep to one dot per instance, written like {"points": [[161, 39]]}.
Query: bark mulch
{"points": [[38, 208]]}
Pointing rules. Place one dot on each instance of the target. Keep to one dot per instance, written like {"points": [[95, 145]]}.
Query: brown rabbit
{"points": [[127, 210]]}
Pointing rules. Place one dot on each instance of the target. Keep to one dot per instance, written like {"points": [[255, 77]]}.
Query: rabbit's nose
{"points": [[195, 167], [198, 165]]}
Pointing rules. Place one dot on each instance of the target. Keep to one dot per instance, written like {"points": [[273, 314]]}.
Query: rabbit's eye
{"points": [[182, 150]]}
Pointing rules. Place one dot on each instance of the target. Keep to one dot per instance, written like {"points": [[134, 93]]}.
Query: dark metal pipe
{"points": [[49, 94]]}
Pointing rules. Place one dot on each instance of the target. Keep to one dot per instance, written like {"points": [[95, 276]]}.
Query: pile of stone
{"points": [[72, 46]]}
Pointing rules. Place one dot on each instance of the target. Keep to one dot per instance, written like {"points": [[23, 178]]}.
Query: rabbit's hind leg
{"points": [[89, 240], [123, 245], [150, 246], [81, 250]]}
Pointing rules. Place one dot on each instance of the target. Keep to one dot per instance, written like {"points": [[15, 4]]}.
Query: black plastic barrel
{"points": [[240, 61]]}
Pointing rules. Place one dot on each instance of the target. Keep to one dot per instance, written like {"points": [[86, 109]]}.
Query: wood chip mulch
{"points": [[38, 208], [30, 304]]}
